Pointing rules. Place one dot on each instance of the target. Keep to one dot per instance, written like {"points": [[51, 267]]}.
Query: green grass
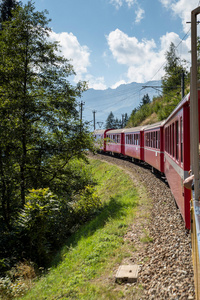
{"points": [[85, 267]]}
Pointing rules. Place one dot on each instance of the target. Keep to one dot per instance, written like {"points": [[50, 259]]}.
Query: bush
{"points": [[45, 222], [86, 204], [17, 281], [36, 221]]}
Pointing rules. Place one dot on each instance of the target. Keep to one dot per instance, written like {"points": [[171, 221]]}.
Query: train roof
{"points": [[155, 125], [114, 131], [126, 130], [99, 131], [134, 129]]}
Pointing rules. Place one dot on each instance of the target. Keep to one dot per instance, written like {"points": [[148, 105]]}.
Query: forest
{"points": [[46, 187]]}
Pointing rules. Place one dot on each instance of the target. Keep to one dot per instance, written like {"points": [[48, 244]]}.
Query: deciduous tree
{"points": [[6, 8], [40, 130]]}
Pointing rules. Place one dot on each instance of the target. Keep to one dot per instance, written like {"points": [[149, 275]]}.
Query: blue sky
{"points": [[112, 42]]}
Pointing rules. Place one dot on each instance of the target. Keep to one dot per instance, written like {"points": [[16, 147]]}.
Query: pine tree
{"points": [[173, 69], [145, 100], [110, 121]]}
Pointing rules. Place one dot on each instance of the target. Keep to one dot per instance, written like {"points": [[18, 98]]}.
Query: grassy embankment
{"points": [[85, 268]]}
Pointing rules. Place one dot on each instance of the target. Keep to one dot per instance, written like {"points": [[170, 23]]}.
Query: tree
{"points": [[173, 69], [6, 9], [110, 121], [145, 100], [40, 130]]}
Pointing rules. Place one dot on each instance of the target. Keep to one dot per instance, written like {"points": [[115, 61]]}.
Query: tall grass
{"points": [[86, 266]]}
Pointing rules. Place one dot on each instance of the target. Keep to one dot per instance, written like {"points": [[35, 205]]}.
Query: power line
{"points": [[138, 90]]}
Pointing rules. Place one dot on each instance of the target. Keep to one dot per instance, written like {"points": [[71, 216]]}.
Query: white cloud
{"points": [[182, 9], [96, 83], [71, 49], [139, 15], [130, 3], [143, 59], [119, 3], [128, 50], [80, 58], [166, 3], [114, 86]]}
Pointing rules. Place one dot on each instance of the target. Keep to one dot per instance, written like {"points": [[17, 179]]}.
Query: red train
{"points": [[164, 145]]}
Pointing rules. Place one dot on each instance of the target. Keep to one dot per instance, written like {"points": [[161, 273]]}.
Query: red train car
{"points": [[154, 146], [177, 155], [115, 141], [134, 142], [100, 139]]}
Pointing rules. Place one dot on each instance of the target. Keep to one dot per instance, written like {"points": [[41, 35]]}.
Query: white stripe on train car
{"points": [[183, 174]]}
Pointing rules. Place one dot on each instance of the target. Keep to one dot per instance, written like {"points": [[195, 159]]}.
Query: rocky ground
{"points": [[166, 270]]}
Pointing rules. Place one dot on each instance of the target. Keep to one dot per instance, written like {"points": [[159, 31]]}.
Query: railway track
{"points": [[166, 269]]}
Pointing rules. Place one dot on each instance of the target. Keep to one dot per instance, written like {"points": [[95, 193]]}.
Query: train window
{"points": [[157, 140], [181, 133], [146, 139], [177, 140], [168, 142], [136, 139], [170, 139], [173, 140], [156, 146], [153, 139], [130, 137]]}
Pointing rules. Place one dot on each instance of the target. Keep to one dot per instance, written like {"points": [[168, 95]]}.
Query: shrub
{"points": [[17, 281], [36, 220], [86, 204]]}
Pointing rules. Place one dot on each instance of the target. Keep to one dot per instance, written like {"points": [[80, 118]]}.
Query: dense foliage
{"points": [[42, 142], [6, 8]]}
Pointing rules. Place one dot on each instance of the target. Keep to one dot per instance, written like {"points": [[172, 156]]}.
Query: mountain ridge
{"points": [[121, 100]]}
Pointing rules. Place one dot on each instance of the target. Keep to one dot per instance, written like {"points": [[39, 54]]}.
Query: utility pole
{"points": [[194, 117], [122, 120], [94, 111], [81, 110]]}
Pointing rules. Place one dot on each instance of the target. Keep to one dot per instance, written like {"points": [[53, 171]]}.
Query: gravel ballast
{"points": [[165, 259]]}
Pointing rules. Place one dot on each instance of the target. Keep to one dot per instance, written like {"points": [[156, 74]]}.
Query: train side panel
{"points": [[115, 141], [177, 157], [154, 147], [132, 144], [100, 138]]}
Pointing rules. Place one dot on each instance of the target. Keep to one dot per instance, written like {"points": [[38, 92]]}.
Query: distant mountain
{"points": [[121, 100]]}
